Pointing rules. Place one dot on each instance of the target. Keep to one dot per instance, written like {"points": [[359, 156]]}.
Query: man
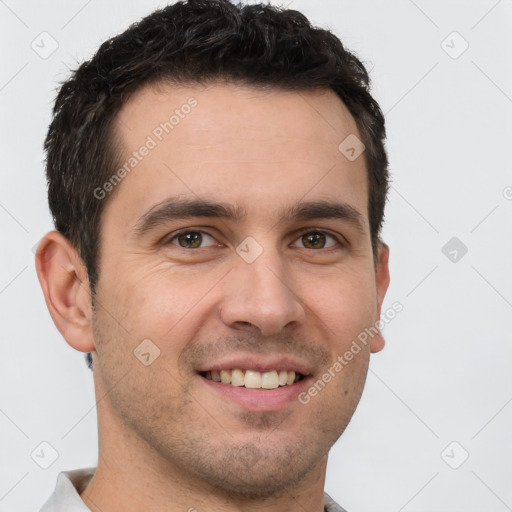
{"points": [[217, 177]]}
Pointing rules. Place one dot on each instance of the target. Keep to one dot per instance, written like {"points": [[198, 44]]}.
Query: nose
{"points": [[261, 295]]}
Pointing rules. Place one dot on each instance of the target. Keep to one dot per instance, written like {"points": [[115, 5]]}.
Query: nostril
{"points": [[244, 325]]}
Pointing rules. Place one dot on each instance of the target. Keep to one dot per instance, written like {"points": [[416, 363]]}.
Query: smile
{"points": [[252, 379]]}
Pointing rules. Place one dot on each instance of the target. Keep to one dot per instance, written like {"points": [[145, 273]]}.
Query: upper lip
{"points": [[258, 363]]}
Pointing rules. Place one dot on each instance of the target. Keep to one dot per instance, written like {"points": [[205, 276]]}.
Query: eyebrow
{"points": [[174, 208]]}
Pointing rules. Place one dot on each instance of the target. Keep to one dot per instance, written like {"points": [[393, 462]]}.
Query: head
{"points": [[229, 120]]}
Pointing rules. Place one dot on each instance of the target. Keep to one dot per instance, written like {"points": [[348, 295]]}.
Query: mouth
{"points": [[255, 382], [253, 379]]}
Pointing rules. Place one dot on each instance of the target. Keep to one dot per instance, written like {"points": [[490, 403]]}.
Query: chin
{"points": [[254, 472]]}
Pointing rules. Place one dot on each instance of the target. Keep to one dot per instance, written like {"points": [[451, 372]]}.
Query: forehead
{"points": [[219, 108], [237, 143]]}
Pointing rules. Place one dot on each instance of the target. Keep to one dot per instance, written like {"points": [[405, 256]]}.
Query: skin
{"points": [[166, 440]]}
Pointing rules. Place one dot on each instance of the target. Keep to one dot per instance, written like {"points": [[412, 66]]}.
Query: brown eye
{"points": [[190, 239], [317, 240]]}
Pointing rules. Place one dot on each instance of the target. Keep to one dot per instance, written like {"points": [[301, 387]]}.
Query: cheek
{"points": [[163, 302], [345, 303]]}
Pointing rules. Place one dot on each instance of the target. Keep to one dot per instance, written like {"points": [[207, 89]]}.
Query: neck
{"points": [[132, 476]]}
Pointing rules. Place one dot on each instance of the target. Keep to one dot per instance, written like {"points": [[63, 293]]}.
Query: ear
{"points": [[382, 283], [63, 279]]}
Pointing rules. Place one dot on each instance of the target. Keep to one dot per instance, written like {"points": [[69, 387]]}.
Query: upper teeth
{"points": [[253, 379]]}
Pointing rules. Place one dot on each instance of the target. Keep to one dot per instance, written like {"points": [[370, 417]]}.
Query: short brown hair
{"points": [[194, 41]]}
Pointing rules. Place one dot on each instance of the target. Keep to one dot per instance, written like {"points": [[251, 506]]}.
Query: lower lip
{"points": [[259, 399]]}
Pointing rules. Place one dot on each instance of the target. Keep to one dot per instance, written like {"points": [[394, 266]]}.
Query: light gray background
{"points": [[445, 374]]}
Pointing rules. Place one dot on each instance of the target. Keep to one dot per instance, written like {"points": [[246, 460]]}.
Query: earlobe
{"points": [[65, 286], [378, 343], [382, 282]]}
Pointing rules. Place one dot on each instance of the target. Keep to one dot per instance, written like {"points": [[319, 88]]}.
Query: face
{"points": [[238, 248]]}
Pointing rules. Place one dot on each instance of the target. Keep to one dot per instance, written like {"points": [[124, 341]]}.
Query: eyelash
{"points": [[340, 243]]}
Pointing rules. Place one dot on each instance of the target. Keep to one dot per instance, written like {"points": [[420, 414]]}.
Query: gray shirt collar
{"points": [[66, 496]]}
